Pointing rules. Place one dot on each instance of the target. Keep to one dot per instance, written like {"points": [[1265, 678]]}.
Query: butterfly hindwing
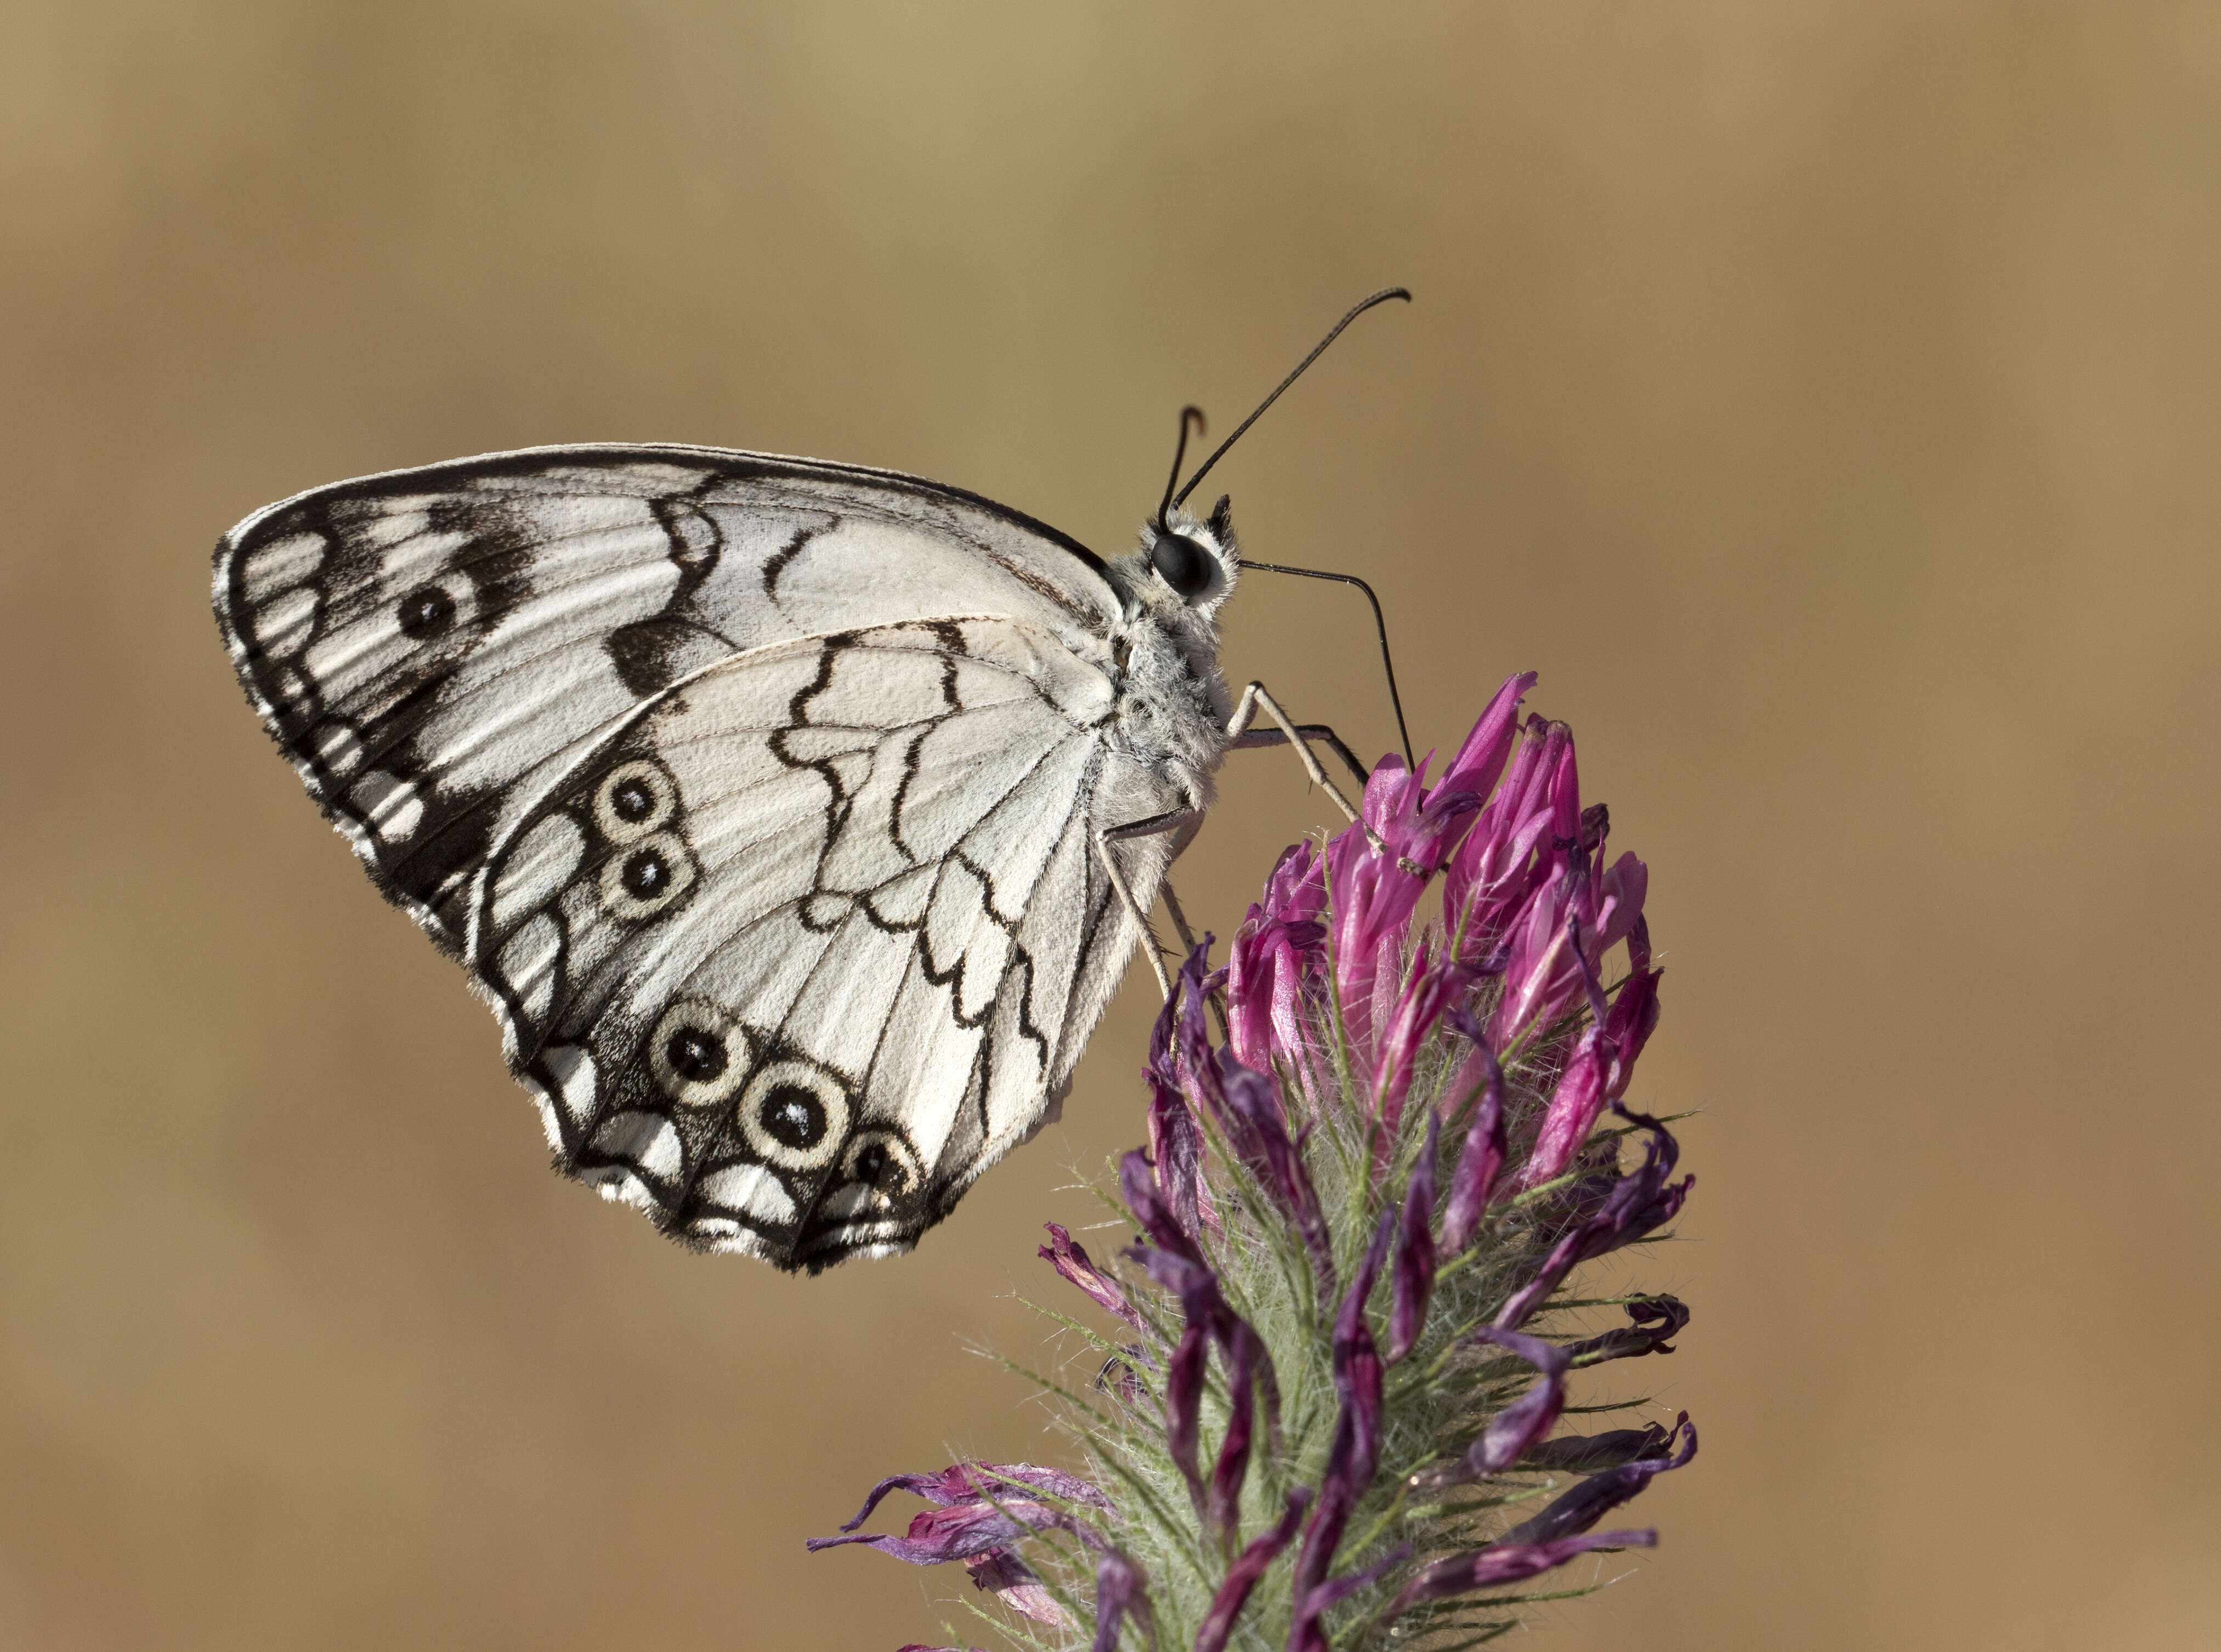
{"points": [[809, 940]]}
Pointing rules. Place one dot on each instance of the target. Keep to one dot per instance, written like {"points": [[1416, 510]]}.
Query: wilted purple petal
{"points": [[1599, 1494], [919, 1646], [1506, 1562], [1350, 1471], [1204, 1305], [1183, 1384], [1305, 1633], [981, 1507], [1481, 1158], [1657, 1319], [1588, 1453], [1242, 1576], [1639, 1203], [1175, 1134], [1137, 1181], [1258, 1128], [1356, 1361], [1513, 1431], [1176, 1153], [956, 1533], [1227, 1475], [1119, 1593], [1017, 1585], [1186, 1370], [1354, 1453], [1583, 1194], [1178, 1263], [1248, 1352], [1070, 1258], [1195, 1062], [1249, 1371], [1415, 1250], [1528, 1418], [951, 1485], [974, 1482]]}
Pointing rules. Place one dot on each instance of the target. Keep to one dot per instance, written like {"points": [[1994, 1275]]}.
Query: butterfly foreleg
{"points": [[1173, 820], [1240, 737]]}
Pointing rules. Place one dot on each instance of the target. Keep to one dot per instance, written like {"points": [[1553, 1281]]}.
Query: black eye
{"points": [[1182, 564], [875, 1166], [695, 1055], [645, 876], [425, 611], [792, 1116]]}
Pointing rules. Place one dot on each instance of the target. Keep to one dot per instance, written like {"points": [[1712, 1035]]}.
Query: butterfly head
{"points": [[1187, 563]]}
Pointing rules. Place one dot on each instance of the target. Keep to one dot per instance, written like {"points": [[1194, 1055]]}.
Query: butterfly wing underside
{"points": [[757, 793]]}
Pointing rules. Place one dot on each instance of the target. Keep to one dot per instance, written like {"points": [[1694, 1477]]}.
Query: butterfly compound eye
{"points": [[1182, 564]]}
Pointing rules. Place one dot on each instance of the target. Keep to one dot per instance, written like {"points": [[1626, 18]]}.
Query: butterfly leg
{"points": [[1181, 839], [1216, 997], [1173, 820], [1240, 736], [1179, 917]]}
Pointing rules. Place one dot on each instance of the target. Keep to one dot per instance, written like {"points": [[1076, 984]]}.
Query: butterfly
{"points": [[797, 819]]}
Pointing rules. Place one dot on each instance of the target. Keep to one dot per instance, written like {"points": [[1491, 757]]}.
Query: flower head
{"points": [[1345, 1331]]}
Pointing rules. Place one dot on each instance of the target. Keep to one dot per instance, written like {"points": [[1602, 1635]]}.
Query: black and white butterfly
{"points": [[797, 819]]}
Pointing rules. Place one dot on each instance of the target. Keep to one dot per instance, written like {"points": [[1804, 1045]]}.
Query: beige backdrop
{"points": [[1821, 396]]}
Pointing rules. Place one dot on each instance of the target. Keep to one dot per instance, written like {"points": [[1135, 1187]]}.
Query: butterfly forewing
{"points": [[757, 793], [421, 642]]}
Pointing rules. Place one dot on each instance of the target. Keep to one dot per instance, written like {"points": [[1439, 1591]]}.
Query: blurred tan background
{"points": [[1822, 397]]}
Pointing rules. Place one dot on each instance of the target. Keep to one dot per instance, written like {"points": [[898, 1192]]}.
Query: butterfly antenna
{"points": [[1188, 415], [1380, 622], [1357, 309]]}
